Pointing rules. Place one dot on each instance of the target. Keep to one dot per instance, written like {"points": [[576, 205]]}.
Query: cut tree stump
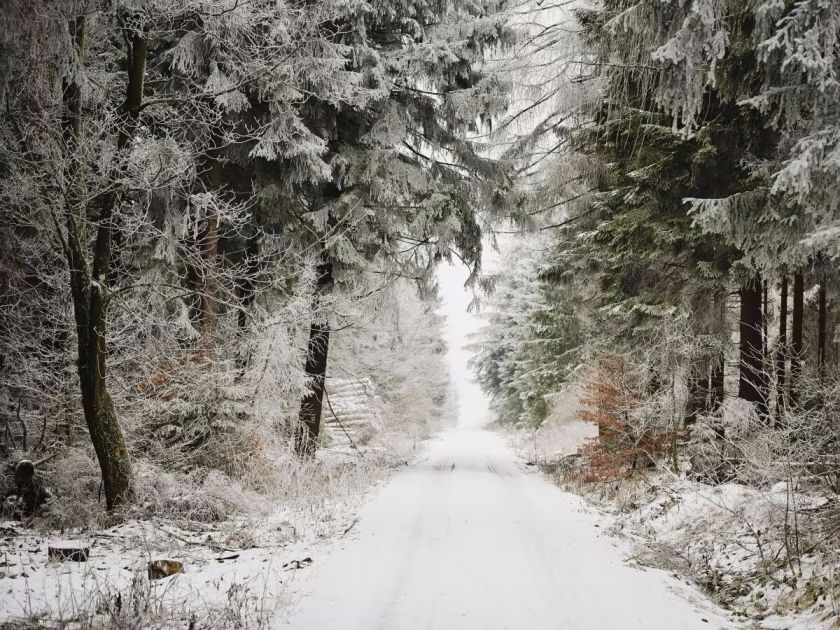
{"points": [[159, 569], [72, 552]]}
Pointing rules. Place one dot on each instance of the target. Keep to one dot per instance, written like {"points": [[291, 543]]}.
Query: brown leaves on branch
{"points": [[626, 442]]}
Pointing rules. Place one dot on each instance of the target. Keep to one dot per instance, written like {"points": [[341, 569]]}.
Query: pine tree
{"points": [[165, 111], [404, 182]]}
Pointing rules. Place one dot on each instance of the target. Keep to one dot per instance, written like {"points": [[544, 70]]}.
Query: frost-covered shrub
{"points": [[74, 480], [630, 432], [799, 448]]}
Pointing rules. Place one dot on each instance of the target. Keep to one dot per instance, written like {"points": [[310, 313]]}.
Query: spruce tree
{"points": [[404, 178]]}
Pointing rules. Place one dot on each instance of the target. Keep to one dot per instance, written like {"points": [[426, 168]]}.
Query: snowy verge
{"points": [[235, 574], [728, 539]]}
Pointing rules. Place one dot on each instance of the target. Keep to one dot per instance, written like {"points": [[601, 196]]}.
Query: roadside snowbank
{"points": [[235, 571], [728, 539]]}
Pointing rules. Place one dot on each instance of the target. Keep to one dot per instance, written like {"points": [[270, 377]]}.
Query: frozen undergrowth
{"points": [[227, 485], [731, 539], [235, 570]]}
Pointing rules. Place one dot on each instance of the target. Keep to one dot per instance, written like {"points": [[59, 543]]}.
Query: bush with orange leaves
{"points": [[627, 440]]}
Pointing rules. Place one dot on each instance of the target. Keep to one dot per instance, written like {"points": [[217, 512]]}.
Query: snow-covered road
{"points": [[467, 540]]}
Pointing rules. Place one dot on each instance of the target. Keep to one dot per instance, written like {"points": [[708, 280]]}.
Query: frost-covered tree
{"points": [[698, 171], [532, 339], [636, 235], [133, 137], [780, 61], [401, 176]]}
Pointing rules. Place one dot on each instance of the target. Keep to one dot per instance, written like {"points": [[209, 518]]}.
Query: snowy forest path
{"points": [[467, 540]]}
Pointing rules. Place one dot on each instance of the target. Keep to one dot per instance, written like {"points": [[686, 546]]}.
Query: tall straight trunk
{"points": [[821, 325], [765, 317], [796, 346], [718, 360], [208, 298], [716, 382], [752, 382], [781, 352], [89, 273], [208, 244], [309, 419], [246, 291]]}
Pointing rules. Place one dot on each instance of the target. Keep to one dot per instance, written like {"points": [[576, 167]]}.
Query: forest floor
{"points": [[235, 572], [471, 538]]}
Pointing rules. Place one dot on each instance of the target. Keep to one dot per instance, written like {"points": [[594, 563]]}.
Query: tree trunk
{"points": [[796, 346], [247, 292], [821, 319], [309, 419], [718, 358], [208, 244], [781, 352], [208, 298], [765, 317], [752, 383], [89, 280]]}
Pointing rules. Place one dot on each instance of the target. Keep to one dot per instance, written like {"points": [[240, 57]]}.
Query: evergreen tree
{"points": [[405, 178]]}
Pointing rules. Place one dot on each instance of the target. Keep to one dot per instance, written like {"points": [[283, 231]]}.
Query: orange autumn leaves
{"points": [[612, 401]]}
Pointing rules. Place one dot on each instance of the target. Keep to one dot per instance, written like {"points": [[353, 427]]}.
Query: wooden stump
{"points": [[72, 552]]}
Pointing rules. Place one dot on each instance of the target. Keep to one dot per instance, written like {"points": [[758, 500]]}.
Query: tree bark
{"points": [[247, 292], [89, 278], [821, 326], [309, 419], [208, 298], [765, 317], [796, 346], [716, 382], [752, 382], [718, 360], [781, 352]]}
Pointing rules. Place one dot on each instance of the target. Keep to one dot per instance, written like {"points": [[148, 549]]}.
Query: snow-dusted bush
{"points": [[631, 432]]}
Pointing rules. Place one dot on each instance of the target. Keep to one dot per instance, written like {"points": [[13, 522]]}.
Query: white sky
{"points": [[473, 409]]}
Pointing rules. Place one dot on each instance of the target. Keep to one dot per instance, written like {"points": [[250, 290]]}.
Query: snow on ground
{"points": [[468, 540], [235, 573], [232, 568], [727, 538]]}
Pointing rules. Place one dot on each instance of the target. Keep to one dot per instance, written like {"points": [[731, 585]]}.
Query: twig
{"points": [[44, 460], [196, 543]]}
